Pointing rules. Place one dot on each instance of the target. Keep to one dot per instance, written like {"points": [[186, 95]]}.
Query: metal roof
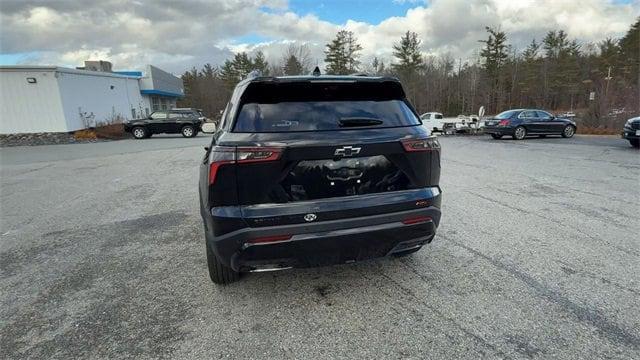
{"points": [[51, 68]]}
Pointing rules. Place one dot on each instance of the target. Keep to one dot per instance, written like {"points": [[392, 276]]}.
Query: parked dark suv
{"points": [[317, 170], [521, 123], [177, 121], [631, 131]]}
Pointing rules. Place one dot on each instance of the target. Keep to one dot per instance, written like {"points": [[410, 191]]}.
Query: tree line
{"points": [[599, 81]]}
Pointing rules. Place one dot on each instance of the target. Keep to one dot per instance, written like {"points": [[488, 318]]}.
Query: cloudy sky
{"points": [[177, 35]]}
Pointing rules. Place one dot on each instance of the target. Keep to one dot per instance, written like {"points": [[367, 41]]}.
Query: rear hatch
{"points": [[331, 149]]}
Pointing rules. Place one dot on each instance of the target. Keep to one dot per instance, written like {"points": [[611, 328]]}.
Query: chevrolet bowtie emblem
{"points": [[346, 151]]}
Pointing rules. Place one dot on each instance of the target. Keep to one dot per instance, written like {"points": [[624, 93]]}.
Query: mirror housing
{"points": [[209, 127]]}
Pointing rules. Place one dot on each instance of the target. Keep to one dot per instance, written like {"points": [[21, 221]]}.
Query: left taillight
{"points": [[219, 156], [257, 154], [426, 144], [224, 155]]}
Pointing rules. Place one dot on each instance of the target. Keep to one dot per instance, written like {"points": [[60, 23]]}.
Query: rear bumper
{"points": [[326, 242], [498, 130]]}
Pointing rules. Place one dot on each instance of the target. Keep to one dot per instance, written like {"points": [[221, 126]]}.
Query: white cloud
{"points": [[178, 35]]}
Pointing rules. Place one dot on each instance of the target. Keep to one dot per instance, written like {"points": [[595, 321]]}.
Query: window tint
{"points": [[543, 114], [506, 114], [528, 115], [159, 115], [438, 116], [321, 115]]}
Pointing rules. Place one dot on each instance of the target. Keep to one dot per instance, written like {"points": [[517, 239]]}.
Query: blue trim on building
{"points": [[160, 93], [129, 73]]}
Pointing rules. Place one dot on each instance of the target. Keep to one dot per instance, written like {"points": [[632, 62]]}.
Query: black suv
{"points": [[317, 170], [177, 121], [631, 131]]}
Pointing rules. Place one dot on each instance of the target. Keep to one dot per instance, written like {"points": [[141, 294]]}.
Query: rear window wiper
{"points": [[359, 121]]}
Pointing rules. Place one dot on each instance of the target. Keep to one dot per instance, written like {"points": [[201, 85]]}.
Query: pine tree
{"points": [[342, 54], [629, 57], [292, 66], [407, 51], [260, 64], [495, 54]]}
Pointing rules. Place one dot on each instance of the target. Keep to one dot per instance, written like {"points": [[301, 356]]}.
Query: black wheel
{"points": [[496, 136], [139, 132], [406, 252], [635, 143], [218, 272], [568, 131], [519, 133], [188, 131]]}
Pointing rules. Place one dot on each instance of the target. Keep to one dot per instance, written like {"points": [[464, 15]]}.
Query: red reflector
{"points": [[213, 169], [268, 239], [503, 123], [416, 220]]}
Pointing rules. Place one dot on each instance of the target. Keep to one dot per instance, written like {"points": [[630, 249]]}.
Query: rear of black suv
{"points": [[317, 170]]}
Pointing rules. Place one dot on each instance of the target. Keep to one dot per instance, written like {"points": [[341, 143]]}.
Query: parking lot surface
{"points": [[537, 256]]}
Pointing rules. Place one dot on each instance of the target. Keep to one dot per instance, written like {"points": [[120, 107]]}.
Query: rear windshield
{"points": [[506, 114], [323, 115]]}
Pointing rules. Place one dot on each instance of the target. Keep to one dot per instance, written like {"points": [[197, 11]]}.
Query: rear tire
{"points": [[139, 132], [519, 133], [568, 131], [218, 272], [188, 131], [635, 143], [496, 136]]}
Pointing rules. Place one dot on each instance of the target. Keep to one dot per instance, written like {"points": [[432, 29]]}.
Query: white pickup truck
{"points": [[434, 121]]}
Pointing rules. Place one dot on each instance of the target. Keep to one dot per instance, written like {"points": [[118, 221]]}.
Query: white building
{"points": [[56, 99]]}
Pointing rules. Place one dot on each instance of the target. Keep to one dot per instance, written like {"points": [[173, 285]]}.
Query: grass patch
{"points": [[586, 130]]}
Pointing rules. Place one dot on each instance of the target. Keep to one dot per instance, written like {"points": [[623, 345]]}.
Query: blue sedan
{"points": [[520, 123]]}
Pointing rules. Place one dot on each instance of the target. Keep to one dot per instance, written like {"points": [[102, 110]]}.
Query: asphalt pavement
{"points": [[537, 256]]}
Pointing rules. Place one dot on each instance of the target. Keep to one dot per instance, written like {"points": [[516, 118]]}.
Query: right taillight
{"points": [[223, 155], [503, 123], [427, 144]]}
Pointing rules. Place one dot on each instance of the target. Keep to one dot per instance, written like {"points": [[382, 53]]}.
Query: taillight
{"points": [[503, 123], [222, 155], [256, 154], [430, 143]]}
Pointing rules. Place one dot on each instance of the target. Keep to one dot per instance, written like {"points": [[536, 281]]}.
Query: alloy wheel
{"points": [[138, 133], [569, 131], [187, 131]]}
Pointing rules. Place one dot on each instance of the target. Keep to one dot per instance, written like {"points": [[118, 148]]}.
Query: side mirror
{"points": [[209, 127]]}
